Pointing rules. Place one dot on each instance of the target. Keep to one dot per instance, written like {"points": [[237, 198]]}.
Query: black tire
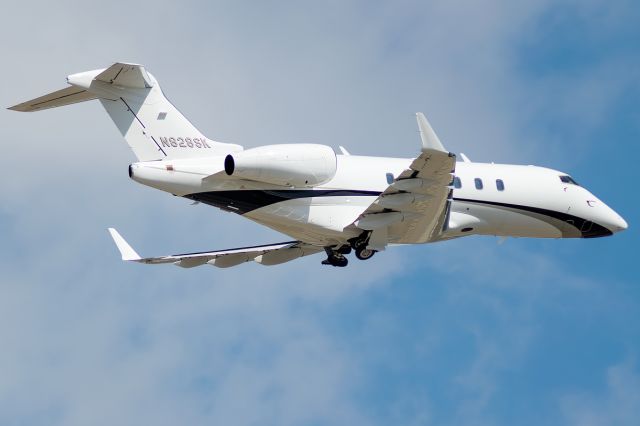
{"points": [[340, 262], [363, 253], [344, 250]]}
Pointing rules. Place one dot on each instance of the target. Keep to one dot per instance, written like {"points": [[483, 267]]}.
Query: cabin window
{"points": [[478, 183], [568, 179], [457, 184], [390, 178], [500, 184]]}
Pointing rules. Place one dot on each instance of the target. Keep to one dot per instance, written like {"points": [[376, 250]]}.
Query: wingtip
{"points": [[19, 108], [430, 140], [126, 251]]}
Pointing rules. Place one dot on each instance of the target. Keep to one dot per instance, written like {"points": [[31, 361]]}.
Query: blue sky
{"points": [[465, 332]]}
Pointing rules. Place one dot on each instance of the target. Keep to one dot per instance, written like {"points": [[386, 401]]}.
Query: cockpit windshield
{"points": [[568, 179]]}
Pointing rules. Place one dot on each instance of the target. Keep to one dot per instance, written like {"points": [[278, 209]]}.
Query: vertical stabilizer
{"points": [[151, 125]]}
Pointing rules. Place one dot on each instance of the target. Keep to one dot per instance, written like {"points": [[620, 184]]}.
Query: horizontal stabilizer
{"points": [[70, 95], [119, 74], [126, 75]]}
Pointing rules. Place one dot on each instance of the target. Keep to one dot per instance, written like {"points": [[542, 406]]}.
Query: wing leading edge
{"points": [[271, 254]]}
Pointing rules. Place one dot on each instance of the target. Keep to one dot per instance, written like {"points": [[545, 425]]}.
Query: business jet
{"points": [[328, 202]]}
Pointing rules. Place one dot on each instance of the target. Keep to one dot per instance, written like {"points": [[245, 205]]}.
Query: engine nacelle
{"points": [[286, 165]]}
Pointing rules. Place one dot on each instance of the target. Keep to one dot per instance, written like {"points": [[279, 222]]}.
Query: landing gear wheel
{"points": [[345, 249], [340, 261], [363, 253], [335, 258]]}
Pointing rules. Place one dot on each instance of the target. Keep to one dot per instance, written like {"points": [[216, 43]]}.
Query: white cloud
{"points": [[619, 404]]}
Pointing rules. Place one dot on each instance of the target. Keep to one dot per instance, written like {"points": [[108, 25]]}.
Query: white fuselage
{"points": [[530, 201]]}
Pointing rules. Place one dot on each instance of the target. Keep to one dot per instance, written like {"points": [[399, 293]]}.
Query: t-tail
{"points": [[151, 125]]}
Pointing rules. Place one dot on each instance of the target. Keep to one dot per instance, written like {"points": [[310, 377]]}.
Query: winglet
{"points": [[126, 251], [429, 138]]}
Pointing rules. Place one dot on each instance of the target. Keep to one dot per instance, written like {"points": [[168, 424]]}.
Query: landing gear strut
{"points": [[336, 257]]}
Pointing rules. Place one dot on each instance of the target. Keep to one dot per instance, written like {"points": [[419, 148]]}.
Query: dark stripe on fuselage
{"points": [[244, 201], [587, 228]]}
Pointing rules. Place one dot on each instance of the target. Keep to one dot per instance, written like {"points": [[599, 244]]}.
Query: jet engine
{"points": [[299, 165]]}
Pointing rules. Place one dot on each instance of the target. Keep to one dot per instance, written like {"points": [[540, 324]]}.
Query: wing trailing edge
{"points": [[270, 254]]}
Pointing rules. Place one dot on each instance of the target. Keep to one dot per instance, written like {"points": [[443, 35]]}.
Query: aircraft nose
{"points": [[615, 222], [620, 223], [603, 219]]}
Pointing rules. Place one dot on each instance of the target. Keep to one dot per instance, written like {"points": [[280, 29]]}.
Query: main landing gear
{"points": [[360, 246], [337, 257], [363, 253]]}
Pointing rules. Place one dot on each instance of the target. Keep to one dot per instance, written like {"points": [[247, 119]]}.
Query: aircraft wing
{"points": [[415, 206], [271, 254]]}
